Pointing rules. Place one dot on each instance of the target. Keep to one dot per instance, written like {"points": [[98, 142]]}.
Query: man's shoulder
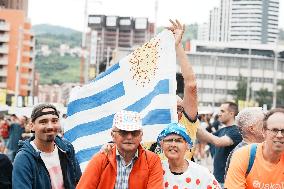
{"points": [[3, 157], [101, 160], [231, 128], [242, 151], [25, 156], [63, 144], [230, 131], [26, 147]]}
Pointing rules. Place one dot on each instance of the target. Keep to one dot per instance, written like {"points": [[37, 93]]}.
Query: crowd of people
{"points": [[247, 148]]}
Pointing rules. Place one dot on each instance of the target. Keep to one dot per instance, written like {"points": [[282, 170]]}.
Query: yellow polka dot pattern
{"points": [[144, 62]]}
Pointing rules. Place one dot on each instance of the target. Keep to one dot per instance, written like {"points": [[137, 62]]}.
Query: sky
{"points": [[70, 13]]}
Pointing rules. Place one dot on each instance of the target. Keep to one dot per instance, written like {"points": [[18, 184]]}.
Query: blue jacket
{"points": [[29, 170]]}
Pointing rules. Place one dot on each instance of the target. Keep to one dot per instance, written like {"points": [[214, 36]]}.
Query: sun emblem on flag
{"points": [[143, 62]]}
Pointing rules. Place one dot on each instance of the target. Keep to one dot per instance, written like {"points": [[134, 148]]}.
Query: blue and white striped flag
{"points": [[143, 81]]}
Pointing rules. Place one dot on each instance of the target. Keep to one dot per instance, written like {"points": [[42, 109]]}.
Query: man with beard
{"points": [[45, 160], [267, 165]]}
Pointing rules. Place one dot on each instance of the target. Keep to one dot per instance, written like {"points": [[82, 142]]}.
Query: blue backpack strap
{"points": [[252, 153]]}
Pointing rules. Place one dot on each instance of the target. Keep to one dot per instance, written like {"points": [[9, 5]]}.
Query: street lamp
{"points": [[215, 59], [156, 15], [248, 78], [274, 98], [85, 63], [18, 65]]}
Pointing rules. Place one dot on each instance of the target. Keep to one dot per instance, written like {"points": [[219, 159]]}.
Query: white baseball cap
{"points": [[127, 120]]}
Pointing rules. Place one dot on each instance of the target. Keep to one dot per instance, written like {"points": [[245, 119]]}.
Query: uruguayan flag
{"points": [[144, 82]]}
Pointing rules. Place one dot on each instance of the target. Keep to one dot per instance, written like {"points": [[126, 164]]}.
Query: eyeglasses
{"points": [[123, 133], [176, 140], [276, 131]]}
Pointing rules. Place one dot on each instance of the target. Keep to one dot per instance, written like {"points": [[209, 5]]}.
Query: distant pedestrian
{"points": [[16, 129], [4, 129], [224, 140], [5, 172]]}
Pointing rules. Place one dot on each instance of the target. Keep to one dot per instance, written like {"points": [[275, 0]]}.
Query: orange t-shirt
{"points": [[263, 174]]}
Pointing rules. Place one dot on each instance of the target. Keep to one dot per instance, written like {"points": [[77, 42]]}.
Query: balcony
{"points": [[3, 85], [3, 72], [26, 87], [28, 65], [28, 32], [4, 61], [28, 43], [4, 38], [29, 54], [4, 49], [4, 26], [26, 76]]}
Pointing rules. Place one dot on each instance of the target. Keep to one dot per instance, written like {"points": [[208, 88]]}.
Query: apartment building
{"points": [[218, 67], [108, 33], [203, 32], [255, 21], [16, 54], [15, 4], [252, 21]]}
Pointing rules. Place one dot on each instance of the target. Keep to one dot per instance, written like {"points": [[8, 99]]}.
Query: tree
{"points": [[263, 96], [240, 92]]}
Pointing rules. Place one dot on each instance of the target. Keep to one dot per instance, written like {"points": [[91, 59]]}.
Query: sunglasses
{"points": [[123, 133]]}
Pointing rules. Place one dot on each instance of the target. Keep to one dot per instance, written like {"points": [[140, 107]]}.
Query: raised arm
{"points": [[205, 136], [189, 102]]}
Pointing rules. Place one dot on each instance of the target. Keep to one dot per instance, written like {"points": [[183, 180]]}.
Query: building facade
{"points": [[219, 66], [203, 32], [214, 25], [255, 21], [252, 21], [15, 4], [108, 33], [16, 54], [225, 7], [58, 94]]}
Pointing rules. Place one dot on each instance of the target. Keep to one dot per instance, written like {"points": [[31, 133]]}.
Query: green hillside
{"points": [[56, 35], [52, 29], [54, 40], [55, 69]]}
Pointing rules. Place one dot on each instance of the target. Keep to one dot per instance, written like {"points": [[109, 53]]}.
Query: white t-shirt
{"points": [[195, 176], [52, 164]]}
